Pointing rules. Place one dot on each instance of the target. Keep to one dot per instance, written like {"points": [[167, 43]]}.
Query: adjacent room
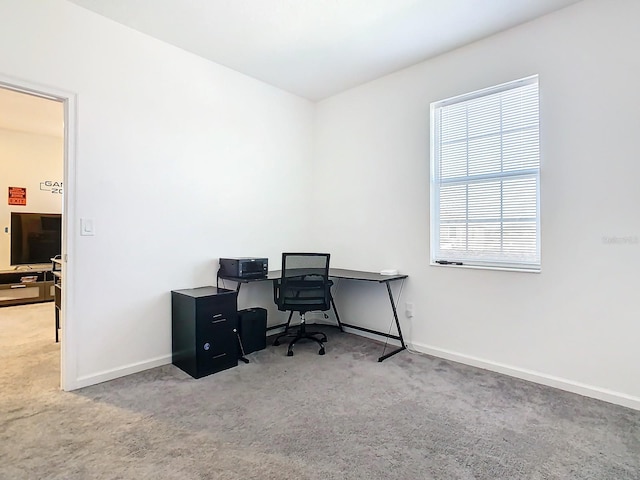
{"points": [[31, 157], [196, 131]]}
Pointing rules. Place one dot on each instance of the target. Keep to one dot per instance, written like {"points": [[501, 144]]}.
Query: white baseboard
{"points": [[536, 377], [105, 376]]}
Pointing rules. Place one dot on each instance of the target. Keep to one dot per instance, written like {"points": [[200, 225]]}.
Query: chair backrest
{"points": [[304, 283]]}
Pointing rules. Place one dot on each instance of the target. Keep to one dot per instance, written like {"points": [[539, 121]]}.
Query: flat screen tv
{"points": [[35, 237]]}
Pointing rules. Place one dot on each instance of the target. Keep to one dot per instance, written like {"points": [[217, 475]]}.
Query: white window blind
{"points": [[485, 177]]}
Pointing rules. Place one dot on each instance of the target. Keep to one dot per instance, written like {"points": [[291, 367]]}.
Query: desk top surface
{"points": [[340, 273]]}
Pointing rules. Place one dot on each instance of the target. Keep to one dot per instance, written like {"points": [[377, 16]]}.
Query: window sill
{"points": [[488, 267]]}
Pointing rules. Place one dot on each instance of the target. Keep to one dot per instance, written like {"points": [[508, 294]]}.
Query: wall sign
{"points": [[51, 186], [17, 196]]}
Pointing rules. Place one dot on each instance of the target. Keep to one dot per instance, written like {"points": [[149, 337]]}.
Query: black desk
{"points": [[345, 274]]}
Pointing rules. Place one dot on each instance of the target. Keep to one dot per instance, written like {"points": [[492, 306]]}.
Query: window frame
{"points": [[436, 258]]}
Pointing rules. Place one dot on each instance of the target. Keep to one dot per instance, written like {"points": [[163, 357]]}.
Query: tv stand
{"points": [[26, 285]]}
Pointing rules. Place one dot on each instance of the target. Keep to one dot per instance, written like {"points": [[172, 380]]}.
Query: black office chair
{"points": [[304, 286]]}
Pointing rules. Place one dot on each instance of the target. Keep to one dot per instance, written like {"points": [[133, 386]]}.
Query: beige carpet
{"points": [[339, 416]]}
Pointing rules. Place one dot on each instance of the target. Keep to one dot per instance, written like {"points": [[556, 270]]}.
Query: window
{"points": [[485, 178]]}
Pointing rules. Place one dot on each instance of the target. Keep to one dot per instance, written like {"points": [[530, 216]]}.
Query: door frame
{"points": [[68, 345]]}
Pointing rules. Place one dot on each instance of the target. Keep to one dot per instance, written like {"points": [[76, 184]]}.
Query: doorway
{"points": [[37, 129]]}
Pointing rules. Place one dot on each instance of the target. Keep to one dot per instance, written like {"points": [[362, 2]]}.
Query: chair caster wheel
{"points": [[321, 352], [289, 353], [276, 343]]}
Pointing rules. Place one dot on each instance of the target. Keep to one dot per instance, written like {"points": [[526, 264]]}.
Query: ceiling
{"points": [[317, 48], [26, 113]]}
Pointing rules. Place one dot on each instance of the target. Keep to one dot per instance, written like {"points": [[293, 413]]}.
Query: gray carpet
{"points": [[338, 416]]}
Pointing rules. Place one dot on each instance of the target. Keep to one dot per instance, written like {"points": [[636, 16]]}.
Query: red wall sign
{"points": [[17, 196]]}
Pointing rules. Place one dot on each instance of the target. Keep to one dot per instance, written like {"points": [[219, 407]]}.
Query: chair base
{"points": [[302, 334]]}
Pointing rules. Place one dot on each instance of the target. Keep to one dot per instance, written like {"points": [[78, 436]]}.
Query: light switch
{"points": [[86, 227]]}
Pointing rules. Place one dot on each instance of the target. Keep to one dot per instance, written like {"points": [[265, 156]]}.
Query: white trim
{"points": [[68, 366], [486, 267], [483, 92], [105, 376], [533, 376]]}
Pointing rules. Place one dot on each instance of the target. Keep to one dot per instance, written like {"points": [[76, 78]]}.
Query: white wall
{"points": [[28, 160], [574, 325], [179, 161]]}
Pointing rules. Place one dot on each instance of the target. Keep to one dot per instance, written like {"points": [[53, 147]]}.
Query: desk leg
{"points": [[335, 310], [395, 316]]}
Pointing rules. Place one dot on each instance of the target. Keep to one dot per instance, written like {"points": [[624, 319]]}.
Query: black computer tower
{"points": [[252, 324]]}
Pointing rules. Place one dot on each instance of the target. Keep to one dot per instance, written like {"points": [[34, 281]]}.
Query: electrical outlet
{"points": [[408, 309]]}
